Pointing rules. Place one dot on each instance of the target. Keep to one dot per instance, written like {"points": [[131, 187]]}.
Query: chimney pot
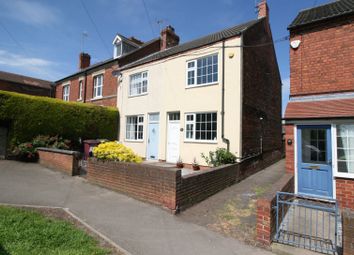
{"points": [[168, 38], [84, 60]]}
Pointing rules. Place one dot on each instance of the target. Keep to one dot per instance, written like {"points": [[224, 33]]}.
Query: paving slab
{"points": [[137, 227]]}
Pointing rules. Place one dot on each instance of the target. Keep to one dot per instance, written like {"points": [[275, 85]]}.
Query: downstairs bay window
{"points": [[201, 127], [135, 128]]}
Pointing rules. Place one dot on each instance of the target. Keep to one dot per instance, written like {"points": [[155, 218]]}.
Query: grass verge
{"points": [[25, 232]]}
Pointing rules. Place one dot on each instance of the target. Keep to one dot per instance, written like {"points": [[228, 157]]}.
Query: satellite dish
{"points": [[295, 44]]}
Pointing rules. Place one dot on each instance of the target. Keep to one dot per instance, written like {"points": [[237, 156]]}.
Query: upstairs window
{"points": [[135, 128], [202, 71], [138, 84], [80, 89], [66, 92], [97, 86]]}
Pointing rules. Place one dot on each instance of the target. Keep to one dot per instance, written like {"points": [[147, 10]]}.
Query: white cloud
{"points": [[37, 67], [29, 12]]}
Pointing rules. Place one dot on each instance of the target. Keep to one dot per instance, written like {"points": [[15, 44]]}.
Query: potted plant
{"points": [[179, 163], [195, 165]]}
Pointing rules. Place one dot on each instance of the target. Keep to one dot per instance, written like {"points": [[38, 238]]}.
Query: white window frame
{"points": [[195, 70], [193, 122], [81, 84], [66, 93], [139, 123], [96, 86], [140, 79], [336, 173]]}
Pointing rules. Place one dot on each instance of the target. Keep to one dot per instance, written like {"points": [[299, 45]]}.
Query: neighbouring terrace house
{"points": [[97, 83], [222, 90], [25, 84], [320, 114]]}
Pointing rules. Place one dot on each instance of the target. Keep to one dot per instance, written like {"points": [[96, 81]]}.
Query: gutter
{"points": [[225, 140]]}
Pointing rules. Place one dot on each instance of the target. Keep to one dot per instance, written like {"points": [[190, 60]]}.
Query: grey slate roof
{"points": [[323, 12], [26, 80], [203, 41], [101, 63]]}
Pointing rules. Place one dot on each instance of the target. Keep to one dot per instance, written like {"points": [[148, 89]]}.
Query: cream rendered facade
{"points": [[167, 92]]}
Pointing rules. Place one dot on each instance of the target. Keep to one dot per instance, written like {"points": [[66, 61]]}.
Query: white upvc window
{"points": [[201, 126], [202, 71], [138, 84], [135, 128], [66, 92], [80, 89], [345, 150], [97, 86]]}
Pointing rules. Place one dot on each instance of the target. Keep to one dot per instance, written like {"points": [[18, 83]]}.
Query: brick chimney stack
{"points": [[168, 38], [84, 60], [263, 10]]}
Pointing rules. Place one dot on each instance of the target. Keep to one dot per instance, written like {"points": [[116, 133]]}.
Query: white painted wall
{"points": [[167, 92]]}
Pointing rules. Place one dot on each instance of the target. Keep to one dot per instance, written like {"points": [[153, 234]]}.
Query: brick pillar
{"points": [[289, 149], [348, 232]]}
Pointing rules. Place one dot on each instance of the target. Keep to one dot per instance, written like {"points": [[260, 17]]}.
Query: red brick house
{"points": [[25, 85], [320, 114], [98, 83]]}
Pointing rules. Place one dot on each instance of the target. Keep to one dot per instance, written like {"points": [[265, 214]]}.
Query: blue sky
{"points": [[43, 38]]}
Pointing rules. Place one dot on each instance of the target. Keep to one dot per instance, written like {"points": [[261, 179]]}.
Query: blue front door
{"points": [[153, 137], [314, 160]]}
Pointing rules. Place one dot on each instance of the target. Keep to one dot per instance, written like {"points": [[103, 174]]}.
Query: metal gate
{"points": [[308, 222]]}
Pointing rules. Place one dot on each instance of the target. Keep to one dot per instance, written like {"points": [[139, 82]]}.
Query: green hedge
{"points": [[30, 116]]}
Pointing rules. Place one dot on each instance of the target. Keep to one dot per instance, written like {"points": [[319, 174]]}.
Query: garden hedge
{"points": [[29, 116]]}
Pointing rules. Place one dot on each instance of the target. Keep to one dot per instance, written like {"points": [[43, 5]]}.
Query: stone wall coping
{"points": [[206, 171], [67, 152], [277, 186], [141, 165]]}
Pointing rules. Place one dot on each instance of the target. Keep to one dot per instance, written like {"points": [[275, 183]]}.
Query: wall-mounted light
{"points": [[295, 44], [289, 141], [231, 55]]}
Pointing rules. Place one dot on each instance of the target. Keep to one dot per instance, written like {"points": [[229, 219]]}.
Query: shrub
{"points": [[219, 157], [28, 151], [115, 151], [30, 116]]}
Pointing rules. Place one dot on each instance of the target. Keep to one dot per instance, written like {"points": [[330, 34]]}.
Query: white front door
{"points": [[173, 133]]}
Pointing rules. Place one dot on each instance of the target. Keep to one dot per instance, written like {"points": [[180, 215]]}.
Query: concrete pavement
{"points": [[138, 227]]}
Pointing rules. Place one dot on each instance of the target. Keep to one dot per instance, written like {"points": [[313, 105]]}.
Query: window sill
{"points": [[79, 100], [201, 85], [202, 142], [133, 141], [140, 95], [344, 176], [96, 98]]}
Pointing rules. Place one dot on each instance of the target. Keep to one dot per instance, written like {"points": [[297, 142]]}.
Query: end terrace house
{"points": [[320, 113], [222, 90]]}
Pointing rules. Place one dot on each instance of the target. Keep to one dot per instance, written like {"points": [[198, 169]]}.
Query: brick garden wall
{"points": [[152, 184], [166, 186], [266, 215], [62, 160], [345, 193], [348, 232]]}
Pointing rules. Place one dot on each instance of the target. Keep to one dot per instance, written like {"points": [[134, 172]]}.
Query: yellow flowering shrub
{"points": [[115, 151]]}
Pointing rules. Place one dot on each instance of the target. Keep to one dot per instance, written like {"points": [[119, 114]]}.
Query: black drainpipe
{"points": [[225, 140]]}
